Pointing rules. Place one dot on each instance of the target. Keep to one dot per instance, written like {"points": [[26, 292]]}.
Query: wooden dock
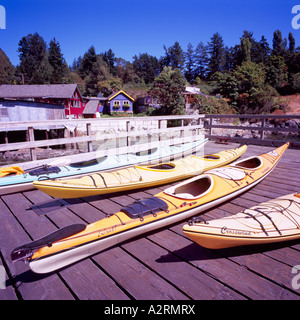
{"points": [[163, 265]]}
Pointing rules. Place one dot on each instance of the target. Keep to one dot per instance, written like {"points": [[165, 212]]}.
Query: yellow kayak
{"points": [[184, 200], [272, 221], [136, 177]]}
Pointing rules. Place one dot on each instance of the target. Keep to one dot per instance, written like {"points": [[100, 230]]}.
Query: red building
{"points": [[61, 94]]}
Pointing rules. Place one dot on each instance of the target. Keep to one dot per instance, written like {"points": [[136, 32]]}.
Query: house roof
{"points": [[192, 90], [58, 91], [91, 106], [113, 95]]}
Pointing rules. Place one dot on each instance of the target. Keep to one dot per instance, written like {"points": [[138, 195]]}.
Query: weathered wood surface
{"points": [[163, 265]]}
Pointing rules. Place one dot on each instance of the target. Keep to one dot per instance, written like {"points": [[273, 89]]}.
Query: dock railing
{"points": [[267, 130], [100, 137]]}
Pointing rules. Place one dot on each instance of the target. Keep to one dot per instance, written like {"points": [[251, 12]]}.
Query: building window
{"points": [[116, 104], [126, 104], [75, 103]]}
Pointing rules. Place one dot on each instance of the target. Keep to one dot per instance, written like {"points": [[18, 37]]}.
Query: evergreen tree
{"points": [[87, 62], [254, 48], [230, 58], [190, 63], [201, 61], [174, 57], [6, 69], [216, 52], [57, 62], [126, 72], [292, 43], [76, 64], [146, 67], [110, 59], [245, 49], [34, 59], [263, 50], [99, 72], [279, 45]]}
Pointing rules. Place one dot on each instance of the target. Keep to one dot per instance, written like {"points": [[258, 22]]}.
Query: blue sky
{"points": [[131, 27]]}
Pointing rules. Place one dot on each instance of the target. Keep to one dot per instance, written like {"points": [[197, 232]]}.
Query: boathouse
{"points": [[38, 98]]}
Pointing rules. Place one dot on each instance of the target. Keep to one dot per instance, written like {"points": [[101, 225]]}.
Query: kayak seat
{"points": [[144, 207]]}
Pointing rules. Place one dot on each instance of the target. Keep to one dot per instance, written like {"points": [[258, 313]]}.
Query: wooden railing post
{"points": [[262, 133], [210, 123], [31, 138], [128, 130], [89, 133]]}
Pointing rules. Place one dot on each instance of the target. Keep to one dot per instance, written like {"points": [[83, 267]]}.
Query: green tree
{"points": [[229, 88], [110, 58], [125, 71], [87, 62], [201, 61], [57, 62], [292, 43], [6, 69], [146, 67], [168, 87], [263, 51], [34, 64], [216, 52], [276, 72], [76, 64], [250, 77], [245, 49], [99, 72], [254, 48], [174, 57], [107, 87], [190, 63], [279, 45], [231, 60]]}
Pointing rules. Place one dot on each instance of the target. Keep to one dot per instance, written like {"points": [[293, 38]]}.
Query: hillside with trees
{"points": [[250, 77]]}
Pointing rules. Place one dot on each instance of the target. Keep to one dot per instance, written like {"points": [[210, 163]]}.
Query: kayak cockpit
{"points": [[162, 166], [251, 163], [192, 189], [211, 157], [159, 167], [145, 152], [88, 163]]}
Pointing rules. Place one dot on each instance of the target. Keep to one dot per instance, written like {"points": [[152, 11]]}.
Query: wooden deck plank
{"points": [[162, 265], [28, 285], [223, 269], [89, 282], [141, 282], [197, 285]]}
